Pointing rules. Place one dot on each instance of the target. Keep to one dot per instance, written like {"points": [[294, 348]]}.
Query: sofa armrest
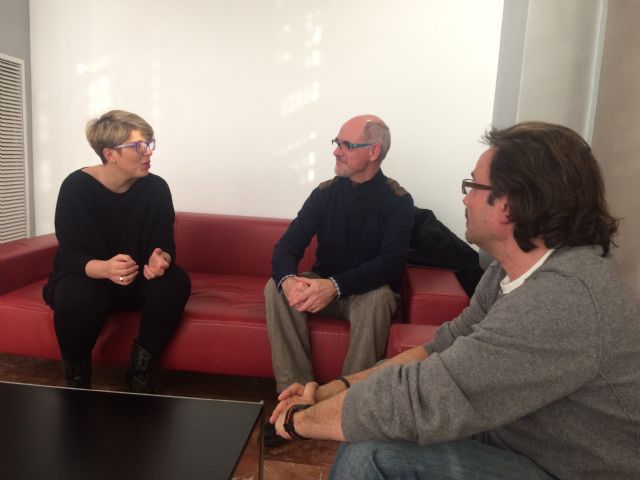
{"points": [[432, 295], [26, 261], [403, 336]]}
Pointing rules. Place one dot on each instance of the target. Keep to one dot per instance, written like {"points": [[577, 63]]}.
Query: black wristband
{"points": [[345, 381], [288, 421]]}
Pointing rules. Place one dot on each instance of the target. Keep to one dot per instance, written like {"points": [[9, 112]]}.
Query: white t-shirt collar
{"points": [[508, 286]]}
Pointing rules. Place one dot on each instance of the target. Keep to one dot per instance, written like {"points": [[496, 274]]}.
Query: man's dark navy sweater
{"points": [[363, 234]]}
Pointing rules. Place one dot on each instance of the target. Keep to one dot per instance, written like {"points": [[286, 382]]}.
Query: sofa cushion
{"points": [[224, 325], [226, 296]]}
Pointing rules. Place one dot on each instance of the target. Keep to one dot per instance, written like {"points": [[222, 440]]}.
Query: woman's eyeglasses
{"points": [[141, 146]]}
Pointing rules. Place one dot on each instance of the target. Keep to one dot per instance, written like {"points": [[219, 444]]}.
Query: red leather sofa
{"points": [[223, 329]]}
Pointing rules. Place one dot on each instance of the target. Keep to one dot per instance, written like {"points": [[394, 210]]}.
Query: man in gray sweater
{"points": [[539, 378]]}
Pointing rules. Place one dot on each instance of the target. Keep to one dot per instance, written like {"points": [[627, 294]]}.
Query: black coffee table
{"points": [[59, 433]]}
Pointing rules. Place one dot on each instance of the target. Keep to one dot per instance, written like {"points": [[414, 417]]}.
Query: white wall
{"points": [[245, 95], [615, 137], [561, 62], [515, 16]]}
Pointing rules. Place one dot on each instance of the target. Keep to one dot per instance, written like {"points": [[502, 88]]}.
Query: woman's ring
{"points": [[121, 278]]}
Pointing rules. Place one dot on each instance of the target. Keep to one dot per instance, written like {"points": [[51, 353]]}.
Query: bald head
{"points": [[373, 130]]}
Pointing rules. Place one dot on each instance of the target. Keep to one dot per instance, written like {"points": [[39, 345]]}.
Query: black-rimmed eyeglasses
{"points": [[141, 146], [343, 144], [468, 184]]}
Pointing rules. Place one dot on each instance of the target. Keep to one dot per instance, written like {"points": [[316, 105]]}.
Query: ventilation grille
{"points": [[13, 191]]}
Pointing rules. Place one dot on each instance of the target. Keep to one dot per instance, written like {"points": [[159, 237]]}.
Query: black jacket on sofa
{"points": [[432, 244]]}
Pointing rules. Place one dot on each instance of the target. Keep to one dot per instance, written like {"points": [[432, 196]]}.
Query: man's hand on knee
{"points": [[319, 293], [293, 287]]}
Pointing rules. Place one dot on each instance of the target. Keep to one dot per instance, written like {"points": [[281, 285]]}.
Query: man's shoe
{"points": [[271, 438]]}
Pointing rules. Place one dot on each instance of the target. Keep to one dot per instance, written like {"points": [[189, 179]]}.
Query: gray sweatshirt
{"points": [[550, 370]]}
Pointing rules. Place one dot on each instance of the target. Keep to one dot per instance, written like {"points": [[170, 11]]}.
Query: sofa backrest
{"points": [[230, 244]]}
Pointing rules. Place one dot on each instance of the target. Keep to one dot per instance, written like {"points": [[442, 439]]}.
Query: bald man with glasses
{"points": [[362, 220]]}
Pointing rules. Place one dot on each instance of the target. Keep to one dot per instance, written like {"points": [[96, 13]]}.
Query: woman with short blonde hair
{"points": [[114, 225]]}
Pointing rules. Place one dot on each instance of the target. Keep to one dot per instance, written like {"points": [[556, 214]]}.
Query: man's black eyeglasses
{"points": [[468, 184]]}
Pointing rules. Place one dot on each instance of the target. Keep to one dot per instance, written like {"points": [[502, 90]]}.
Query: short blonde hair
{"points": [[113, 128]]}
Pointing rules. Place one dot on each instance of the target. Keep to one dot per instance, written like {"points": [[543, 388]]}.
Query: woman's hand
{"points": [[120, 269], [159, 261]]}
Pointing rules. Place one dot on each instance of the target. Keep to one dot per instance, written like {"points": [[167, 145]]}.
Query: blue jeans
{"points": [[458, 460]]}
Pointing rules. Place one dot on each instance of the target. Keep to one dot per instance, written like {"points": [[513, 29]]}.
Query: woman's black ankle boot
{"points": [[78, 374], [140, 369]]}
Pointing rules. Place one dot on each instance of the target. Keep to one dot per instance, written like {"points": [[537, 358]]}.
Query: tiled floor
{"points": [[295, 460]]}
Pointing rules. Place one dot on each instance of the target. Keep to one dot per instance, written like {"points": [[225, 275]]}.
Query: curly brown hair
{"points": [[553, 185]]}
